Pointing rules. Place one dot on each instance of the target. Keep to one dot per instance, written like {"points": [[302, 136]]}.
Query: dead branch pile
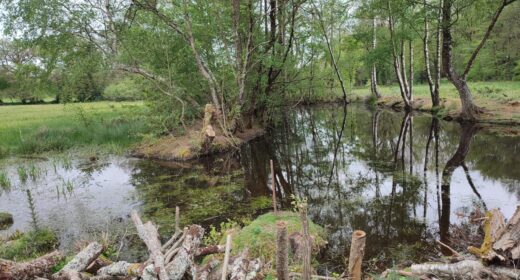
{"points": [[497, 257], [173, 260]]}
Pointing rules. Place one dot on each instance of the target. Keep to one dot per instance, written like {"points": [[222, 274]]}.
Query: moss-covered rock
{"points": [[260, 236], [28, 245], [6, 220]]}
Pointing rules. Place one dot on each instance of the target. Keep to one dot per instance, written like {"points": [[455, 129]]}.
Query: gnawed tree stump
{"points": [[31, 269], [357, 251], [208, 133]]}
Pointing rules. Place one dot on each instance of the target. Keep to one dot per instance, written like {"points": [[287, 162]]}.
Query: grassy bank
{"points": [[31, 129], [500, 100]]}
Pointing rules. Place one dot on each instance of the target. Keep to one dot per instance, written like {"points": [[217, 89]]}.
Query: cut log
{"points": [[357, 251], [84, 258], [29, 270], [148, 233], [467, 269], [184, 258]]}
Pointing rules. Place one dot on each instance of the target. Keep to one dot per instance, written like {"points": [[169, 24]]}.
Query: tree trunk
{"points": [[469, 110], [373, 74]]}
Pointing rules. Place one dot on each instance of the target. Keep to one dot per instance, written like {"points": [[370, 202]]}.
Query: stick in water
{"points": [[177, 219], [273, 186], [226, 257]]}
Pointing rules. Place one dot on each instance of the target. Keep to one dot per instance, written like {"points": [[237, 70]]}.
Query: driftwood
{"points": [[31, 269], [171, 261], [501, 243]]}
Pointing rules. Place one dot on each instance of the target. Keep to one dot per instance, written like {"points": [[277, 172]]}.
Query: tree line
{"points": [[246, 56]]}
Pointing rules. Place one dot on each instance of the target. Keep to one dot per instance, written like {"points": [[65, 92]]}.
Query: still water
{"points": [[404, 179]]}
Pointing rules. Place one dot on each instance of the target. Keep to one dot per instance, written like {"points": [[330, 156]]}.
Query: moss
{"points": [[260, 236], [485, 248], [29, 245], [6, 220]]}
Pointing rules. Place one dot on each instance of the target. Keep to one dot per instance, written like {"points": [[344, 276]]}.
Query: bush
{"points": [[123, 90]]}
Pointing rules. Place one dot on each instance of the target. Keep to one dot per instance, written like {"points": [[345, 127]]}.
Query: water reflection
{"points": [[403, 178], [393, 175]]}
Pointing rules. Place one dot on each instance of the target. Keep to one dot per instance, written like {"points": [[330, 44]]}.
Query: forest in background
{"points": [[248, 56]]}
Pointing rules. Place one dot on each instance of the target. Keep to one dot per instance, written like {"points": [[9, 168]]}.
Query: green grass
{"points": [[31, 129], [28, 245], [505, 91]]}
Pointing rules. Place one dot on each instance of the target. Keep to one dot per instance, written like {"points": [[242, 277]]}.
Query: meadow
{"points": [[102, 126]]}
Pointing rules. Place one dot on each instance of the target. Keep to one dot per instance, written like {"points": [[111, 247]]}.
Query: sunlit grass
{"points": [[503, 91], [31, 129]]}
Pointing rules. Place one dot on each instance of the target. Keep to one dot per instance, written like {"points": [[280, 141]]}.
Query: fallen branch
{"points": [[80, 262], [455, 253], [30, 269], [467, 268], [148, 233], [209, 250]]}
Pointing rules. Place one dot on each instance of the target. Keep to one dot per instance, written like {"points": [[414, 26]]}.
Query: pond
{"points": [[405, 179]]}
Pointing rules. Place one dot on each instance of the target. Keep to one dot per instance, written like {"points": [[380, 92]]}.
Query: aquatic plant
{"points": [[34, 172], [23, 175], [5, 182]]}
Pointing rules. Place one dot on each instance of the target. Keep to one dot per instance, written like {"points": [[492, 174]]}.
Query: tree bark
{"points": [[148, 233], [357, 251], [469, 110], [282, 251], [29, 270], [373, 73]]}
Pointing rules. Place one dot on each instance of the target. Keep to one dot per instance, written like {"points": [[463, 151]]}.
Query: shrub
{"points": [[123, 90]]}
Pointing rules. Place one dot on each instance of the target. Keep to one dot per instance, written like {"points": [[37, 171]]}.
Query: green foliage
{"points": [[126, 89], [29, 245]]}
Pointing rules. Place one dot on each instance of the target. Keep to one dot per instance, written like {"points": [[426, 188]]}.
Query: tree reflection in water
{"points": [[372, 170]]}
